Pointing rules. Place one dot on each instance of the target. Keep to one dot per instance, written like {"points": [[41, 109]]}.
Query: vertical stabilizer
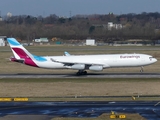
{"points": [[18, 50], [20, 53]]}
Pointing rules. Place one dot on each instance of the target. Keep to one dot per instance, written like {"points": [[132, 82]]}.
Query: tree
{"points": [[91, 29]]}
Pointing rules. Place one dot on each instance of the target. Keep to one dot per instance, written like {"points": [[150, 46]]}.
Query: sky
{"points": [[69, 8]]}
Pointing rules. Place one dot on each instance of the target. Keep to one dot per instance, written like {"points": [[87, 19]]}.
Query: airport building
{"points": [[2, 40]]}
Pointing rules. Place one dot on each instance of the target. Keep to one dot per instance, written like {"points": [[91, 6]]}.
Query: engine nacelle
{"points": [[96, 68], [78, 66]]}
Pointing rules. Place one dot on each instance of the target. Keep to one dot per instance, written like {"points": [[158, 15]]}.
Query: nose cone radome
{"points": [[154, 60]]}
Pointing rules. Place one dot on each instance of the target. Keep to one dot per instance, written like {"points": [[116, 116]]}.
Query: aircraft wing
{"points": [[72, 63]]}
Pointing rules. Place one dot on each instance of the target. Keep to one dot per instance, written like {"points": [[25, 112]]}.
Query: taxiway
{"points": [[149, 110]]}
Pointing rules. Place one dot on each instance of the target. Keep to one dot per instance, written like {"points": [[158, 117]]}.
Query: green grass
{"points": [[97, 98], [85, 80]]}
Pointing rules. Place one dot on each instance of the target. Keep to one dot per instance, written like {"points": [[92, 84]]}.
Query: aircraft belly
{"points": [[51, 65]]}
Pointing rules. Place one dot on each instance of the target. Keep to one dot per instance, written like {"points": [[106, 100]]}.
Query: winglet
{"points": [[66, 53]]}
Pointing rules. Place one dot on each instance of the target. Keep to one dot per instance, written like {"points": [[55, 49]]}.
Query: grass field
{"points": [[73, 87]]}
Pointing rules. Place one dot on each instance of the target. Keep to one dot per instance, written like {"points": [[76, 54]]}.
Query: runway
{"points": [[149, 110], [89, 75]]}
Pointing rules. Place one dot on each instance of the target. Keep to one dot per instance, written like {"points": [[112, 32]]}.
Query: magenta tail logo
{"points": [[27, 60]]}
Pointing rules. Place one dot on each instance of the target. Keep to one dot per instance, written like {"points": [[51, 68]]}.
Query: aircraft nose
{"points": [[155, 60], [152, 59]]}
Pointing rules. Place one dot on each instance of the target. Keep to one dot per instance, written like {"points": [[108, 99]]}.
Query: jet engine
{"points": [[96, 68], [78, 66]]}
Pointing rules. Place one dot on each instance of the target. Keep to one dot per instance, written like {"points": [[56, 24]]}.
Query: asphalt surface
{"points": [[149, 110], [89, 75]]}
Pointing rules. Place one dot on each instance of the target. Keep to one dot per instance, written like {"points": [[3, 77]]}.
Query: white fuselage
{"points": [[106, 61]]}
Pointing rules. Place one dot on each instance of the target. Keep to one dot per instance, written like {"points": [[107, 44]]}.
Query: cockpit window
{"points": [[150, 58]]}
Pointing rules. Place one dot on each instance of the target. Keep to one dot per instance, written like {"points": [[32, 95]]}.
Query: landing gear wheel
{"points": [[85, 72], [141, 69], [80, 72]]}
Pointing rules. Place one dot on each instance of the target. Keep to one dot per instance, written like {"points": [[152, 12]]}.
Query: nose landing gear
{"points": [[141, 69]]}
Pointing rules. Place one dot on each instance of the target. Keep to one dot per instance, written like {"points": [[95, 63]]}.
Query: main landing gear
{"points": [[81, 72], [141, 69]]}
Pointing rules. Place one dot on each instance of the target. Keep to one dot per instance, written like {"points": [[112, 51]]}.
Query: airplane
{"points": [[78, 62]]}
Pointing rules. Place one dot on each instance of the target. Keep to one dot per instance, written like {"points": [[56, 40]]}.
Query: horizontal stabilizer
{"points": [[17, 60]]}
